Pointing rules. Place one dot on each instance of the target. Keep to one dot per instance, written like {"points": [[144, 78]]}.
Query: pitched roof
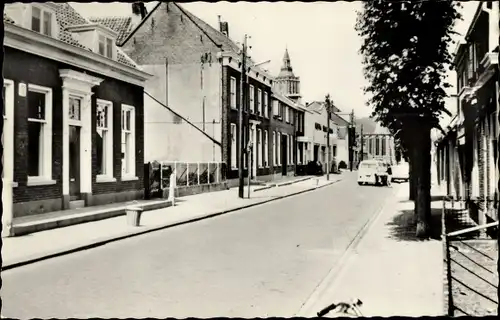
{"points": [[319, 105], [67, 16], [216, 36], [122, 25]]}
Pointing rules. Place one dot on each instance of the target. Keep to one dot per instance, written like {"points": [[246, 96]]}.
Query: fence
{"points": [[187, 174], [471, 278]]}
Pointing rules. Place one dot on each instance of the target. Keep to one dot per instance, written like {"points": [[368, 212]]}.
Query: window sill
{"points": [[104, 179], [15, 184], [32, 182], [129, 178]]}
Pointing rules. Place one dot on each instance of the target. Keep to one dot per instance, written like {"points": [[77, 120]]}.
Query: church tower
{"points": [[287, 82]]}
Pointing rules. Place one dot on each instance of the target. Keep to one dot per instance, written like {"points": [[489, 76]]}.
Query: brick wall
{"points": [[22, 67]]}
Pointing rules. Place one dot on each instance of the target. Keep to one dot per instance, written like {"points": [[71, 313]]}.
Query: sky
{"points": [[319, 36]]}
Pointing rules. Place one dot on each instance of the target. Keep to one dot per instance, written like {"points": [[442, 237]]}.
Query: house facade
{"points": [[316, 128], [73, 116], [467, 154], [197, 74]]}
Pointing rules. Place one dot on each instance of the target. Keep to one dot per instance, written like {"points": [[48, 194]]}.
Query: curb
{"points": [[273, 185], [331, 277], [105, 240]]}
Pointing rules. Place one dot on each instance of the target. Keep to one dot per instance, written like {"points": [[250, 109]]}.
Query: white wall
{"points": [[167, 138]]}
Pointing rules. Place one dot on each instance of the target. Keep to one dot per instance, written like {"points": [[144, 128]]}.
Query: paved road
{"points": [[261, 261]]}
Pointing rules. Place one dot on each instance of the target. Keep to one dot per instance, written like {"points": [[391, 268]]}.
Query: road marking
{"points": [[306, 309]]}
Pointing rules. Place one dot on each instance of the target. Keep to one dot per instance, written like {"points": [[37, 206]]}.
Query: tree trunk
{"points": [[422, 179], [411, 180]]}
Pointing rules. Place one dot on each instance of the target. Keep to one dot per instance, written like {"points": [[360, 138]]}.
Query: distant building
{"points": [[379, 145]]}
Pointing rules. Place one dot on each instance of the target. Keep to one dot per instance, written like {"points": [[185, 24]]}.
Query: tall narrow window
{"points": [[47, 23], [266, 149], [291, 149], [252, 97], [104, 139], [233, 92], [259, 148], [105, 46], [275, 160], [128, 141], [39, 133], [279, 148], [245, 143], [266, 105], [234, 161], [36, 19], [259, 102]]}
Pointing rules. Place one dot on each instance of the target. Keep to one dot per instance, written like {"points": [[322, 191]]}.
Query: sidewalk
{"points": [[389, 270], [17, 251]]}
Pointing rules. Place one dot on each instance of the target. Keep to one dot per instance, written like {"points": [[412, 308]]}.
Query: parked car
{"points": [[401, 172], [372, 172], [314, 168]]}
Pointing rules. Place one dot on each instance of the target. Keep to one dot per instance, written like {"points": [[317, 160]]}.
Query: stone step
{"points": [[76, 204]]}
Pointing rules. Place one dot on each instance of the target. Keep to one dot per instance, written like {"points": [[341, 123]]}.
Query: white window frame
{"points": [[279, 148], [45, 176], [232, 93], [52, 28], [266, 105], [290, 149], [106, 45], [129, 156], [109, 156], [266, 149], [276, 107], [259, 102], [252, 98], [259, 148], [234, 153]]}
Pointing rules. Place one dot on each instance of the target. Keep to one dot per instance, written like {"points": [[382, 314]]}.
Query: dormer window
{"points": [[105, 46], [41, 21]]}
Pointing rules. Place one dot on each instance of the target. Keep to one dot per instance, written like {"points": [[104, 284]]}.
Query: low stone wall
{"points": [[183, 191]]}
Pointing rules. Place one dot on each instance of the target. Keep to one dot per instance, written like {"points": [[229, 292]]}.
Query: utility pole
{"points": [[362, 147], [328, 161], [240, 120]]}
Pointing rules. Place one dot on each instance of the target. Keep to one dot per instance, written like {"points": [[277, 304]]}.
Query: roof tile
{"points": [[67, 16], [121, 25]]}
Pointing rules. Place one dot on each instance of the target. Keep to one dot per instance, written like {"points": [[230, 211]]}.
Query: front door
{"points": [[74, 162], [284, 153]]}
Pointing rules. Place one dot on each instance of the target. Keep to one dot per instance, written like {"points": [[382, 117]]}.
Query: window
{"points": [[252, 97], [104, 139], [105, 46], [275, 160], [259, 148], [290, 149], [279, 148], [266, 149], [39, 134], [128, 141], [383, 147], [233, 92], [259, 102], [234, 161], [41, 21], [276, 106], [266, 105], [245, 142]]}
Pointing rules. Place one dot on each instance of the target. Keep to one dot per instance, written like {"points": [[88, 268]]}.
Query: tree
{"points": [[405, 56]]}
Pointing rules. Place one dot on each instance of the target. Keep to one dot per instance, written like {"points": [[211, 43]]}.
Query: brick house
{"points": [[70, 96], [197, 73], [468, 153]]}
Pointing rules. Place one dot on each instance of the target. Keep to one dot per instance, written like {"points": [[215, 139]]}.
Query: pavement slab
{"points": [[390, 271]]}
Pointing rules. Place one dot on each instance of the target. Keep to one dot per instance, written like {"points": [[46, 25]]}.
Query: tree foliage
{"points": [[406, 55]]}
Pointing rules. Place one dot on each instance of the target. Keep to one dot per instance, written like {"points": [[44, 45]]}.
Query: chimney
{"points": [[139, 12], [223, 27]]}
